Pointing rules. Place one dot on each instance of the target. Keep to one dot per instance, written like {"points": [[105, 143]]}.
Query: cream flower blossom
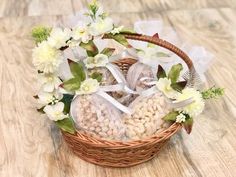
{"points": [[99, 60], [49, 82], [58, 37], [46, 58], [55, 112], [180, 118], [81, 33], [101, 26], [117, 30], [88, 86], [46, 97], [152, 55], [164, 85], [195, 108]]}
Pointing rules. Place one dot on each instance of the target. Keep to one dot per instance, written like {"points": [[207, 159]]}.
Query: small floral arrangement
{"points": [[57, 94], [178, 91]]}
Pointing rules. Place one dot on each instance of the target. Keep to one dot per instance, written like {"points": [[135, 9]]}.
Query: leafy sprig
{"points": [[93, 8], [213, 92], [40, 33]]}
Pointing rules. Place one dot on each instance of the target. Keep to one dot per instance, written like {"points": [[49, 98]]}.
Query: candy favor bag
{"points": [[146, 119], [96, 116]]}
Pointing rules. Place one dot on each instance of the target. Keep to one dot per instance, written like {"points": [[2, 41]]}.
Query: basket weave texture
{"points": [[130, 153]]}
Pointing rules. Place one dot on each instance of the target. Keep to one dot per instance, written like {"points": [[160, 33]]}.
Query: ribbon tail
{"points": [[116, 73], [114, 102], [112, 88], [181, 104], [117, 87]]}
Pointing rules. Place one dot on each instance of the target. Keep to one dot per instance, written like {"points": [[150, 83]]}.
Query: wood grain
{"points": [[30, 145], [52, 7]]}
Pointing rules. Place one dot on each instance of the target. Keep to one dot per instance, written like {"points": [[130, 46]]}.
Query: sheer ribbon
{"points": [[101, 91]]}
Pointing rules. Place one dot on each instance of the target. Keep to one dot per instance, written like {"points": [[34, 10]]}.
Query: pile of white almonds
{"points": [[96, 116], [147, 117]]}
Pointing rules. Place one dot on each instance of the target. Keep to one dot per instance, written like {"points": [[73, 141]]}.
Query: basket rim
{"points": [[111, 144]]}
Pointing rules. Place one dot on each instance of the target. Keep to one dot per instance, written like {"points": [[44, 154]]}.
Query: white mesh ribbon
{"points": [[101, 91]]}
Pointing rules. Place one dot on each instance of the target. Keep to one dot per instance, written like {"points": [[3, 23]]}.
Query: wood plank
{"points": [[159, 5], [15, 8], [66, 7]]}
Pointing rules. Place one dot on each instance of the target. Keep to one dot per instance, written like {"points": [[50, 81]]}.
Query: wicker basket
{"points": [[125, 154]]}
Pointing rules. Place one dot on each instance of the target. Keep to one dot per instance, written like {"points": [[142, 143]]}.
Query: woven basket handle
{"points": [[164, 44]]}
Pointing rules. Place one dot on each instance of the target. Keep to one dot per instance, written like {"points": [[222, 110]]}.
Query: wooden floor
{"points": [[30, 146]]}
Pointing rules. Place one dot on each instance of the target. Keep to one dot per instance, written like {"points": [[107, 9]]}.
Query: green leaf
{"points": [[171, 116], [67, 99], [77, 70], [40, 33], [119, 38], [41, 110], [66, 125], [179, 86], [127, 31], [175, 72], [71, 84], [97, 76], [151, 45], [90, 47], [162, 54], [108, 51], [188, 124], [160, 72]]}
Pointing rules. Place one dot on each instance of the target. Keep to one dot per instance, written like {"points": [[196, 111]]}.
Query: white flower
{"points": [[180, 118], [147, 55], [55, 112], [46, 97], [58, 37], [194, 108], [101, 26], [46, 58], [49, 82], [117, 30], [81, 33], [100, 60], [164, 85], [73, 43], [88, 86], [152, 56]]}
